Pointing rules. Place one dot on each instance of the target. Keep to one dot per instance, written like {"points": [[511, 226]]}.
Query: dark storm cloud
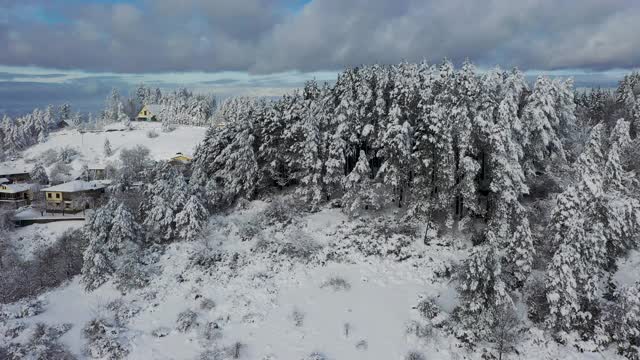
{"points": [[266, 36]]}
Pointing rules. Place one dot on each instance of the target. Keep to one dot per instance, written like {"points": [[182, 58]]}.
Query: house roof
{"points": [[155, 109], [7, 170], [181, 157], [79, 186], [4, 180], [15, 188]]}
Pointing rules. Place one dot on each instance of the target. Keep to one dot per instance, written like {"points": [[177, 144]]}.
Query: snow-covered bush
{"points": [[67, 154], [428, 309], [419, 329], [168, 127], [297, 317], [316, 356], [122, 311], [42, 343], [151, 134], [105, 340], [414, 355], [279, 211], [377, 237], [298, 245], [207, 304], [186, 321], [336, 283]]}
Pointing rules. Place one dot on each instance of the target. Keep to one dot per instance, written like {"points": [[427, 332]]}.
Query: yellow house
{"points": [[18, 194], [74, 196], [150, 112]]}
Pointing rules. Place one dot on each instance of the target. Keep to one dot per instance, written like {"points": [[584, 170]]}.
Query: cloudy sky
{"points": [[75, 50]]}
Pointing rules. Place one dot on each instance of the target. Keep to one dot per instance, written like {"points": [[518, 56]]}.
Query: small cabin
{"points": [[150, 112], [74, 196], [16, 194]]}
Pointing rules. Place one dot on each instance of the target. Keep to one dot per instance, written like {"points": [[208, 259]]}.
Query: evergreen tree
{"points": [[396, 152], [39, 174], [360, 191], [107, 148], [192, 219]]}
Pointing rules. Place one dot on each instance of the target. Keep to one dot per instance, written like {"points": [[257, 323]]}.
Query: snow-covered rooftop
{"points": [[10, 169], [15, 188], [155, 108], [4, 180], [78, 186]]}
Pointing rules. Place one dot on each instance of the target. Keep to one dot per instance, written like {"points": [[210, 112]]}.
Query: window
{"points": [[48, 195], [58, 196]]}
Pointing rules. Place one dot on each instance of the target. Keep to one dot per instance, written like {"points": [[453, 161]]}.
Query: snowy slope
{"points": [[242, 289]]}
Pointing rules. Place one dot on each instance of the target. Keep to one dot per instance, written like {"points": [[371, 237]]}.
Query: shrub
{"points": [[414, 355], [186, 321], [336, 284], [151, 134], [41, 344], [419, 329], [428, 308], [103, 340], [362, 345], [67, 154], [300, 245], [298, 318], [279, 211], [316, 356], [168, 127], [132, 275], [207, 304]]}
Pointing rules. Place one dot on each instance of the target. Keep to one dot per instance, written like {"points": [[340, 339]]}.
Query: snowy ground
{"points": [[280, 307], [91, 144]]}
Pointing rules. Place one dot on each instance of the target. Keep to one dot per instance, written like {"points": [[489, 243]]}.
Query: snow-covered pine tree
{"points": [[39, 174], [464, 137], [164, 199], [360, 191], [482, 287], [97, 266], [192, 219], [336, 164], [541, 124], [396, 155], [84, 173], [310, 156], [107, 148]]}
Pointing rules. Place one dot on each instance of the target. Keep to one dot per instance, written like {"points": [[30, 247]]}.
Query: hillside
{"points": [[90, 145], [258, 287]]}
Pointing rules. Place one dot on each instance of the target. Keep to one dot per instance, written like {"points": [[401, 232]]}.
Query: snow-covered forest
{"points": [[508, 212]]}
